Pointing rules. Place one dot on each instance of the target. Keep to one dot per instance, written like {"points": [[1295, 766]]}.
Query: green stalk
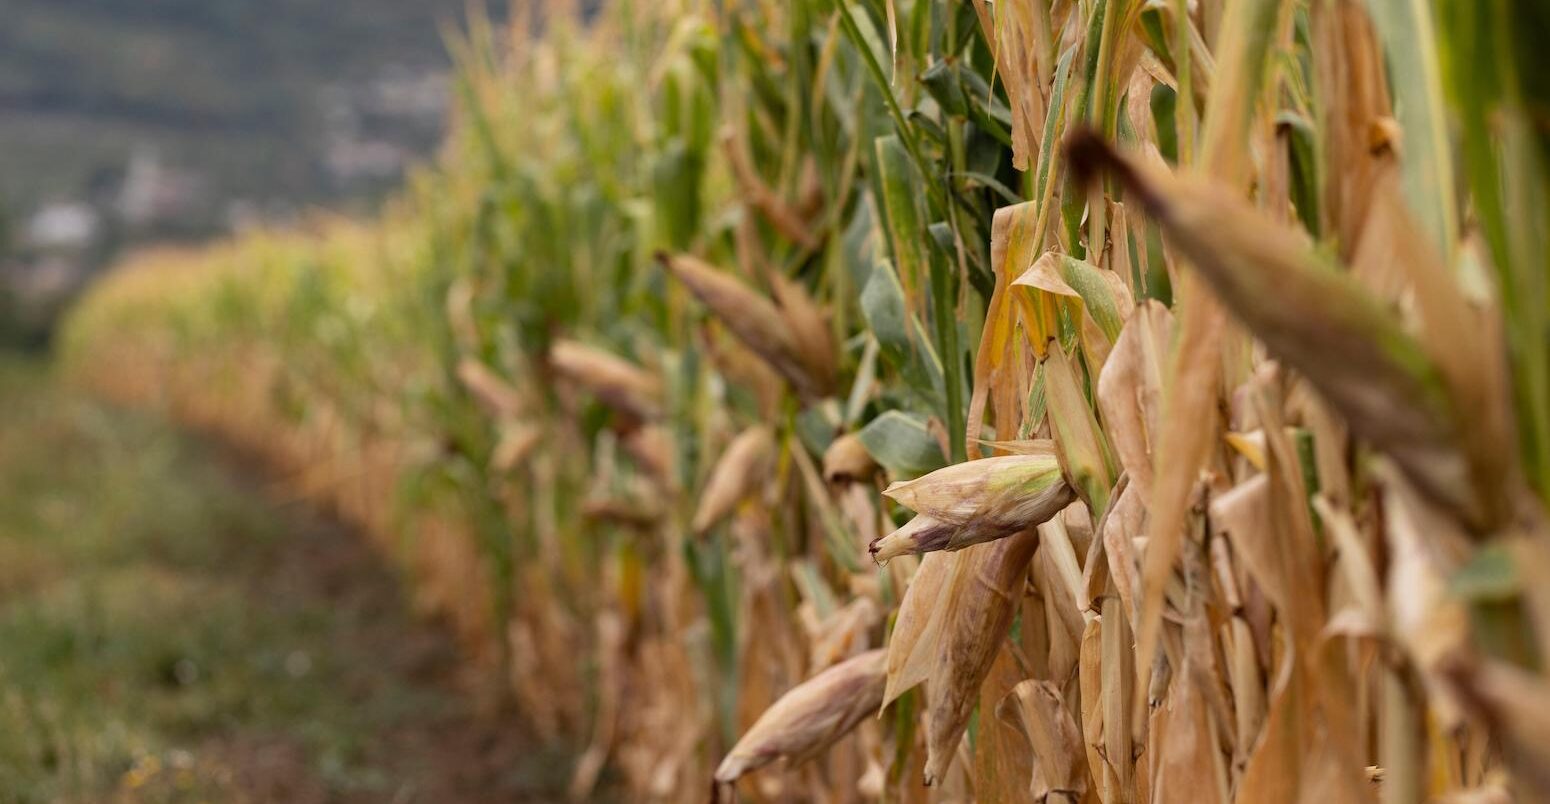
{"points": [[943, 310], [880, 79], [1417, 77], [1184, 108]]}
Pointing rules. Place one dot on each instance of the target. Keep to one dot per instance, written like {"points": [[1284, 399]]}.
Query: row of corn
{"points": [[943, 400]]}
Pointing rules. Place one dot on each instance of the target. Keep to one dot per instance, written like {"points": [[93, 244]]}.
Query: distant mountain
{"points": [[125, 121], [235, 106]]}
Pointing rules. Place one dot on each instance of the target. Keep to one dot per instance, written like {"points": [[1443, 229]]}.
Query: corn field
{"points": [[937, 400]]}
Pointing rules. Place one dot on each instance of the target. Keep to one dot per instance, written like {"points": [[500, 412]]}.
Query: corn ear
{"points": [[978, 604], [623, 386], [974, 502], [761, 324], [810, 717], [494, 394], [738, 472], [848, 461]]}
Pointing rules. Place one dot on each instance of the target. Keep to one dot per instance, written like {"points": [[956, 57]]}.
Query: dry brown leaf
{"points": [[1059, 760], [1002, 763], [912, 645], [1130, 389], [1317, 320], [1122, 524], [1190, 766]]}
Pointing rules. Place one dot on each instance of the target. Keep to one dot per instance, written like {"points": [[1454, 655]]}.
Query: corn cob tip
{"points": [[921, 534], [1089, 155]]}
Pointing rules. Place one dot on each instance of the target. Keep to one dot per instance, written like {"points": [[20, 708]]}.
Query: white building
{"points": [[62, 226]]}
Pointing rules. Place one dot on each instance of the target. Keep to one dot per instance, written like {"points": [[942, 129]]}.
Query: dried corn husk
{"points": [[912, 643], [977, 608], [622, 385], [757, 321], [737, 473], [810, 717], [494, 394], [517, 442], [848, 461], [974, 502]]}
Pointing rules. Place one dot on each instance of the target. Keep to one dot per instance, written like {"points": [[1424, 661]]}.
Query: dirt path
{"points": [[171, 634], [447, 745]]}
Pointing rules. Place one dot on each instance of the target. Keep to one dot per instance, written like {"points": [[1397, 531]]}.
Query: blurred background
{"points": [[175, 627], [124, 122]]}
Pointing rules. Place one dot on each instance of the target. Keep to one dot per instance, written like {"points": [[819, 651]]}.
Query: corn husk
{"points": [[517, 442], [1130, 390], [975, 502], [977, 609], [914, 637], [810, 717], [738, 472], [848, 461], [760, 323], [623, 386], [495, 395]]}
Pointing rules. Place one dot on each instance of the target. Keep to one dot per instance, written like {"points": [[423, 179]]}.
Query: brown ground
{"points": [[460, 744]]}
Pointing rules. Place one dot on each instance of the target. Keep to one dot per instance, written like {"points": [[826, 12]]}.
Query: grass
{"points": [[171, 636]]}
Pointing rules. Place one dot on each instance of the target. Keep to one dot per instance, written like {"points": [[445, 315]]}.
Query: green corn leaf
{"points": [[901, 443]]}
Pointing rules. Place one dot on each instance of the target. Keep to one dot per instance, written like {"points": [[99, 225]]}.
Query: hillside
{"points": [[124, 123], [276, 102]]}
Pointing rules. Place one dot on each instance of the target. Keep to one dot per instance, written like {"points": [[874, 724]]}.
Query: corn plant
{"points": [[1039, 400]]}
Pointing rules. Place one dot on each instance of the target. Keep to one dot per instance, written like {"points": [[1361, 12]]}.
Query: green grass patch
{"points": [[156, 641]]}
